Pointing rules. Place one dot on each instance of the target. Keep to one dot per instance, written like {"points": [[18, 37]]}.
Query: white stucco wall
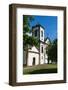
{"points": [[30, 59], [33, 49], [33, 53], [46, 59], [45, 55], [41, 54]]}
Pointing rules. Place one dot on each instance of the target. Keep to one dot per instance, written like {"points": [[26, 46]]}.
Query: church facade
{"points": [[35, 55]]}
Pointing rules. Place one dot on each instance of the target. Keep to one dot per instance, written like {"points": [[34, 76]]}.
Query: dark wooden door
{"points": [[33, 60]]}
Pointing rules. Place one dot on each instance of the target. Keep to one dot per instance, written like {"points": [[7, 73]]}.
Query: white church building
{"points": [[37, 56]]}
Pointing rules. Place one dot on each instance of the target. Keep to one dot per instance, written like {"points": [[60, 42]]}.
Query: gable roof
{"points": [[30, 47], [33, 48], [47, 39]]}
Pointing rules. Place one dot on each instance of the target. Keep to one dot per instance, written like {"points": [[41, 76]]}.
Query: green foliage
{"points": [[52, 51], [27, 19], [26, 23], [28, 40]]}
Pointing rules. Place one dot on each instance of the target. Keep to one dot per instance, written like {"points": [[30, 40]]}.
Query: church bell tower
{"points": [[38, 32]]}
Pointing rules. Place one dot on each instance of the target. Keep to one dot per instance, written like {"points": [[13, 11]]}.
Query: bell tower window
{"points": [[35, 32], [41, 33], [42, 49]]}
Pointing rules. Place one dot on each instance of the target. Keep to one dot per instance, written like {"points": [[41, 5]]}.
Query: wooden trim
{"points": [[39, 83], [12, 44], [64, 44], [38, 6]]}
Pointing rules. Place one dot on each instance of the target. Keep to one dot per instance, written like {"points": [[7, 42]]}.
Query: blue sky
{"points": [[49, 23]]}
